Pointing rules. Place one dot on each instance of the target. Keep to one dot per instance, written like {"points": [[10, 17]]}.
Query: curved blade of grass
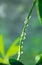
{"points": [[39, 10], [1, 45], [13, 48]]}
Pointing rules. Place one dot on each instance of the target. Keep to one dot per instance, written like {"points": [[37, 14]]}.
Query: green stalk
{"points": [[22, 38]]}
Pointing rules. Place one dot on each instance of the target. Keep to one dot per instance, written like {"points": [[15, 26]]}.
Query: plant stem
{"points": [[22, 38]]}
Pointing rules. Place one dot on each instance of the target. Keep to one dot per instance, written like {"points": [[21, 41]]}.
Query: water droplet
{"points": [[21, 46], [22, 34], [22, 42], [24, 38], [25, 33], [21, 52], [27, 25], [24, 22], [30, 17]]}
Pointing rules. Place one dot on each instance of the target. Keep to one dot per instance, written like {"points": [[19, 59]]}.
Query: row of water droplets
{"points": [[23, 35]]}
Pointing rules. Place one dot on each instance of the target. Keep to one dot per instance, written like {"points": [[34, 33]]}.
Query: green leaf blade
{"points": [[2, 45], [13, 48], [39, 10]]}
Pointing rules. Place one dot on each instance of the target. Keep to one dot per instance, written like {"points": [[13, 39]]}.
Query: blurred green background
{"points": [[12, 17]]}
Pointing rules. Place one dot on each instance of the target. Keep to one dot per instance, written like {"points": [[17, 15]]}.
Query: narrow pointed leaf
{"points": [[1, 45], [13, 48], [12, 51]]}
